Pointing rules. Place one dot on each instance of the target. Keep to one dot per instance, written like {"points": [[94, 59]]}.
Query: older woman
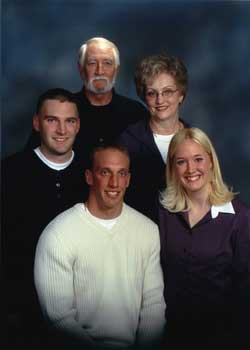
{"points": [[205, 247], [161, 83]]}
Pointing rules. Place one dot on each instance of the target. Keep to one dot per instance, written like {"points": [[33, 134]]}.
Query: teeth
{"points": [[112, 193], [193, 178], [59, 139]]}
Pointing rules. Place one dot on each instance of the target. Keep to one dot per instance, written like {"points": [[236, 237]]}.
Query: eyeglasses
{"points": [[167, 93]]}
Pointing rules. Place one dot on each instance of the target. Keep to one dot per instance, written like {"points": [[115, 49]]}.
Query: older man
{"points": [[97, 268], [104, 114]]}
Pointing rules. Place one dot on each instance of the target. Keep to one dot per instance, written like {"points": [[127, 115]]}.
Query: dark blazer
{"points": [[147, 168]]}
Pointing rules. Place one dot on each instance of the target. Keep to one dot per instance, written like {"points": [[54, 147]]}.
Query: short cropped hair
{"points": [[154, 65], [104, 147], [59, 94], [175, 198], [98, 40]]}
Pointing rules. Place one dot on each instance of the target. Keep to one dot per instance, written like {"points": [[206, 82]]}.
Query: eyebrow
{"points": [[109, 169], [164, 88], [195, 155], [102, 59], [47, 116]]}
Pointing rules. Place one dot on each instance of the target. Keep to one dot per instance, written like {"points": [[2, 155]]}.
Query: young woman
{"points": [[205, 247]]}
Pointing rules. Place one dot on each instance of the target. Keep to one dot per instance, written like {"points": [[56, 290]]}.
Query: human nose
{"points": [[99, 69], [159, 97], [61, 128], [113, 181], [190, 166]]}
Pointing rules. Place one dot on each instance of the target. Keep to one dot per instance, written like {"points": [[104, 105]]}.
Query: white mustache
{"points": [[100, 77]]}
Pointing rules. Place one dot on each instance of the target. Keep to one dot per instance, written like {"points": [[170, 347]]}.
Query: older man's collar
{"points": [[224, 208]]}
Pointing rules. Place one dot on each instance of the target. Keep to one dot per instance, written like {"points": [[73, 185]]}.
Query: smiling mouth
{"points": [[60, 139], [112, 194], [161, 108], [100, 80], [193, 178]]}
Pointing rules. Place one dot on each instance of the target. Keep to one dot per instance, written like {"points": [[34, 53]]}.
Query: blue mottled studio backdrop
{"points": [[41, 38]]}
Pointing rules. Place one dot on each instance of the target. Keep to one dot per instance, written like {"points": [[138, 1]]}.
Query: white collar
{"points": [[53, 165], [224, 208], [108, 223]]}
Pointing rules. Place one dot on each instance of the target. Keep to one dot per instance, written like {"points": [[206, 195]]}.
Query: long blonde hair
{"points": [[175, 198]]}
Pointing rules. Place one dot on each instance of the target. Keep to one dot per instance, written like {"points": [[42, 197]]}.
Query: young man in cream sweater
{"points": [[97, 268]]}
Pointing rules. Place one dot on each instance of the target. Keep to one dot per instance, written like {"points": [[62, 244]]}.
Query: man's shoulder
{"points": [[137, 217], [77, 165], [68, 214], [60, 231], [65, 220], [129, 102], [18, 160], [141, 229], [18, 155]]}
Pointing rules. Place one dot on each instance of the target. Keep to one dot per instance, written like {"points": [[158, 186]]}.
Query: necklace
{"points": [[155, 130]]}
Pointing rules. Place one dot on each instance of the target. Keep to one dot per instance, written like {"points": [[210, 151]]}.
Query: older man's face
{"points": [[99, 71]]}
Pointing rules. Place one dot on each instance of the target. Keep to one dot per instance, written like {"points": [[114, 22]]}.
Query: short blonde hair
{"points": [[175, 198], [98, 40]]}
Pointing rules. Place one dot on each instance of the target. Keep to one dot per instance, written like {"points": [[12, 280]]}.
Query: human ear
{"points": [[181, 98], [36, 124], [78, 125], [117, 69], [89, 177], [128, 180]]}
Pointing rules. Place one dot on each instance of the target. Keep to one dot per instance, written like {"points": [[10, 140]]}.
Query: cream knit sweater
{"points": [[101, 286]]}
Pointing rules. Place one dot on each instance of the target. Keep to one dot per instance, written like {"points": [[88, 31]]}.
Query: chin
{"points": [[194, 189], [61, 153], [100, 91]]}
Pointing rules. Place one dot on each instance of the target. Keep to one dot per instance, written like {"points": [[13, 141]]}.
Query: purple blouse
{"points": [[207, 267]]}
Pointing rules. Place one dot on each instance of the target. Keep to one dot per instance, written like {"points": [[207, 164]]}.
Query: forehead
{"points": [[160, 81], [99, 50], [112, 159], [59, 108], [189, 148]]}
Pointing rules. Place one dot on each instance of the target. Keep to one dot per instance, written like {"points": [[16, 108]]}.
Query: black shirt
{"points": [[32, 195]]}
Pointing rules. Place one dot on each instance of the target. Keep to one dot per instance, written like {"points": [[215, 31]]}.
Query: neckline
{"points": [[156, 132]]}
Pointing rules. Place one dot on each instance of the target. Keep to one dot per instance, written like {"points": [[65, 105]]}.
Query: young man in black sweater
{"points": [[37, 185]]}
